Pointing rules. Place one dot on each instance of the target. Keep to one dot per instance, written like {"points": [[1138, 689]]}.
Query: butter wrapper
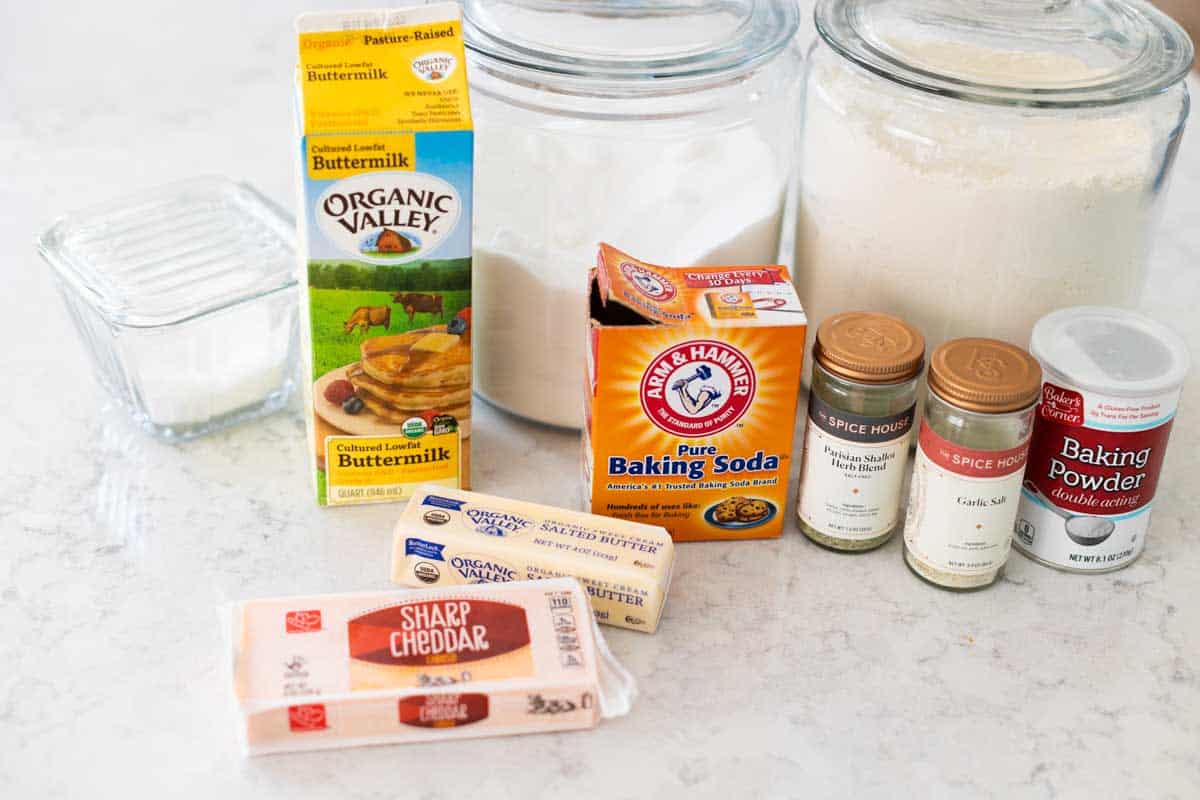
{"points": [[449, 537], [326, 671]]}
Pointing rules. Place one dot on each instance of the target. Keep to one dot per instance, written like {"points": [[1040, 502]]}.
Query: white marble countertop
{"points": [[780, 670]]}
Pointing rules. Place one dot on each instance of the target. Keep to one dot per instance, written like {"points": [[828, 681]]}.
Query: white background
{"points": [[779, 670]]}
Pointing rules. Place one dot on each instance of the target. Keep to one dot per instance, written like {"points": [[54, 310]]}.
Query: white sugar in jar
{"points": [[666, 129], [1111, 385]]}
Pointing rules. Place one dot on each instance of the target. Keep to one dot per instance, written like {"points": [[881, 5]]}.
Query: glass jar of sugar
{"points": [[971, 454], [1008, 157], [666, 129], [185, 298]]}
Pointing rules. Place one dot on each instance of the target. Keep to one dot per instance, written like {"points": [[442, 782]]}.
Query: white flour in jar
{"points": [[544, 201], [967, 219]]}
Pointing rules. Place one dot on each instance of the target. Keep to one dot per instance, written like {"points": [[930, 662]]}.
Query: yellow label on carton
{"points": [[363, 469], [341, 156], [385, 79]]}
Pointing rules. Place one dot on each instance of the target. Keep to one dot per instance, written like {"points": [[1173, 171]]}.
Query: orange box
{"points": [[693, 376]]}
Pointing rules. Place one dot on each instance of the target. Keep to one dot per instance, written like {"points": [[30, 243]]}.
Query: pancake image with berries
{"points": [[397, 397], [410, 360], [422, 373]]}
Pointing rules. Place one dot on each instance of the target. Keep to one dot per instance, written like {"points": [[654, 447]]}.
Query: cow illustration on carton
{"points": [[367, 317]]}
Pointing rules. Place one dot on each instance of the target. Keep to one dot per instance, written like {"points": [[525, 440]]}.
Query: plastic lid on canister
{"points": [[985, 375], [1064, 53], [1111, 351], [624, 42], [870, 347]]}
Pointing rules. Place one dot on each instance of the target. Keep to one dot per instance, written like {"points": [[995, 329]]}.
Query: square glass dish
{"points": [[185, 298]]}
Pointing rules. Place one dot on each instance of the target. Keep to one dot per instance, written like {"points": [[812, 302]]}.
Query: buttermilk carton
{"points": [[385, 231], [692, 381]]}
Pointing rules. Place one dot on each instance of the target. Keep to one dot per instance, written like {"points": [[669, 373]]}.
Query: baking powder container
{"points": [[665, 128], [1112, 380], [185, 298]]}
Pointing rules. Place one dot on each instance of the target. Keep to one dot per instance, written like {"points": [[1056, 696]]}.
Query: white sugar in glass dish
{"points": [[185, 298]]}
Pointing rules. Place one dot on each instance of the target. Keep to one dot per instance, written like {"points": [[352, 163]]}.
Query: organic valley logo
{"points": [[480, 569], [434, 67], [389, 217], [497, 523], [697, 388]]}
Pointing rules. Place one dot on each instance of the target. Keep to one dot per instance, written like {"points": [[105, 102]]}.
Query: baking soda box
{"points": [[693, 376], [385, 232]]}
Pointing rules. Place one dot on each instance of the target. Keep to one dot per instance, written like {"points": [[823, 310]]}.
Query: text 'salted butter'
{"points": [[446, 537], [693, 375], [406, 666]]}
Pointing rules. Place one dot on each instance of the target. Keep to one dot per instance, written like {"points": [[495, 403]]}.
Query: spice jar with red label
{"points": [[971, 455]]}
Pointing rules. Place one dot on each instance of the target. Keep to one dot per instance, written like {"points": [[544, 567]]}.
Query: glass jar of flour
{"points": [[666, 129], [971, 165]]}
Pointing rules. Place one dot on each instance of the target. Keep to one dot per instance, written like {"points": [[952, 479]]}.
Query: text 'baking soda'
{"points": [[693, 375]]}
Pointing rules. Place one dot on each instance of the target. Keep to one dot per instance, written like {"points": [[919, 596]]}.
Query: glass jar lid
{"points": [[1023, 52], [869, 347], [985, 375], [648, 41], [175, 252]]}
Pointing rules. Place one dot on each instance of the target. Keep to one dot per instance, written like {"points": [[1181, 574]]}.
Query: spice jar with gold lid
{"points": [[861, 407], [971, 454]]}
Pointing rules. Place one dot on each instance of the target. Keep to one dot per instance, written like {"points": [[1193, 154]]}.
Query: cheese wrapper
{"points": [[337, 670], [452, 537]]}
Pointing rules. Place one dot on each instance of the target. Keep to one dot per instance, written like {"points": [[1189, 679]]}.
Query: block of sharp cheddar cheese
{"points": [[418, 665], [450, 537]]}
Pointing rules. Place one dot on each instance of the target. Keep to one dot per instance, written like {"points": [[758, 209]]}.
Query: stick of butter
{"points": [[451, 537], [407, 666]]}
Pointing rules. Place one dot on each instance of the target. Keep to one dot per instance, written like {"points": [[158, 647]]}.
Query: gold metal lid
{"points": [[985, 375], [869, 347]]}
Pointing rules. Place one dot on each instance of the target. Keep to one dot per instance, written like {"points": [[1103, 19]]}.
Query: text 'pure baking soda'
{"points": [[1112, 381], [693, 375], [385, 227]]}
